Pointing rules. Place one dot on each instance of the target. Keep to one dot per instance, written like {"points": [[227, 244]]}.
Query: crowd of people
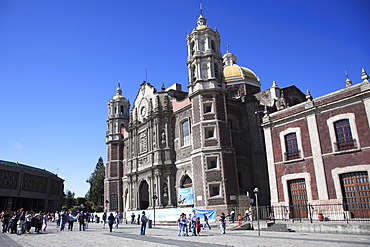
{"points": [[21, 221]]}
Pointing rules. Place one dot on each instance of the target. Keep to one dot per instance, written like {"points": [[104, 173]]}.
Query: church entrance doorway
{"points": [[144, 195]]}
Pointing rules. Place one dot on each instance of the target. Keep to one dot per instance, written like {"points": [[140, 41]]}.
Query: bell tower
{"points": [[213, 157], [118, 118], [204, 58]]}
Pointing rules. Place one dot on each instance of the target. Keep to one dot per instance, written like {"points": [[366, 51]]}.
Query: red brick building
{"points": [[318, 152]]}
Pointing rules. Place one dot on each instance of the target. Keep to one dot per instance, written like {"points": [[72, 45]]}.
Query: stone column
{"points": [[169, 190]]}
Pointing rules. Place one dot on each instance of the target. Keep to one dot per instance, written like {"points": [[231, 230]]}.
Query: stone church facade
{"points": [[209, 139]]}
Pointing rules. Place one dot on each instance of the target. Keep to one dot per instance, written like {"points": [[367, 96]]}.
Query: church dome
{"points": [[119, 97], [119, 93], [235, 72]]}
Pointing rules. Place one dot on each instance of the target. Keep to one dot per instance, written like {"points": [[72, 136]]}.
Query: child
{"points": [[19, 227], [240, 218], [198, 225]]}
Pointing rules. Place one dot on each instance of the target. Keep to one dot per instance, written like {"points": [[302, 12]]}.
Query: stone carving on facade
{"points": [[143, 161], [34, 183], [153, 140], [54, 187], [163, 136], [8, 179], [143, 142]]}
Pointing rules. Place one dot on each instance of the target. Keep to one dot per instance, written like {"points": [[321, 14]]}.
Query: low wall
{"points": [[357, 228]]}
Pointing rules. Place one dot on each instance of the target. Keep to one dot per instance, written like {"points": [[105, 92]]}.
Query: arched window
{"points": [[215, 65], [186, 182], [213, 45], [185, 133]]}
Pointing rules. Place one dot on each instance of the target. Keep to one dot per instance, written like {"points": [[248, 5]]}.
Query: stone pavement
{"points": [[129, 235]]}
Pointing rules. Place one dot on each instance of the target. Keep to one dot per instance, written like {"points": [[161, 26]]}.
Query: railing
{"points": [[345, 144], [292, 155], [352, 212]]}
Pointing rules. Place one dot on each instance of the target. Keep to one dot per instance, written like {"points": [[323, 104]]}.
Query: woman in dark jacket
{"points": [[110, 221]]}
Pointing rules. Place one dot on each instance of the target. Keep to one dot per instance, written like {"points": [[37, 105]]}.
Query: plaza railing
{"points": [[353, 212]]}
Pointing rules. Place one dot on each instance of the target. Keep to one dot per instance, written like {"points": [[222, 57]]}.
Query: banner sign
{"points": [[173, 214], [186, 197]]}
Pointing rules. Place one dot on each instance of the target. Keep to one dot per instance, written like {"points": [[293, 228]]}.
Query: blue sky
{"points": [[60, 62]]}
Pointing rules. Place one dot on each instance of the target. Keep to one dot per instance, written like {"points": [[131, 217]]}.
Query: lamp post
{"points": [[256, 191], [155, 197]]}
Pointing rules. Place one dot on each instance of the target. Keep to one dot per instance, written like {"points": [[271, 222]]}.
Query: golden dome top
{"points": [[118, 97], [200, 27], [119, 92], [236, 72]]}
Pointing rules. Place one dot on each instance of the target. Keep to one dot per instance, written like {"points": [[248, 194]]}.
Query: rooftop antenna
{"points": [[227, 46], [119, 82], [346, 74], [201, 9]]}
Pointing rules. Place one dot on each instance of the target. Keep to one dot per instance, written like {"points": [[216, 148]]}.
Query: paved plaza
{"points": [[129, 235]]}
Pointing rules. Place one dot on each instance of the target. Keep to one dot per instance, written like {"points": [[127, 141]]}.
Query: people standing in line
{"points": [[198, 225], [223, 223], [117, 217], [232, 215], [206, 222], [92, 218], [144, 220], [104, 219], [71, 220], [14, 221], [29, 216], [81, 220], [5, 219], [181, 225], [111, 219], [194, 224], [22, 221], [45, 219], [132, 218], [38, 217]]}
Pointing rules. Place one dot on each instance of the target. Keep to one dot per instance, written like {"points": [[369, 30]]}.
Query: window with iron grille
{"points": [[292, 151], [344, 135]]}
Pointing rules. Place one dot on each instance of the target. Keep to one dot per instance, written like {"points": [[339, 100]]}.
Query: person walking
{"points": [[232, 215], [223, 223], [132, 218], [110, 221], [104, 219], [206, 222], [144, 220], [118, 216]]}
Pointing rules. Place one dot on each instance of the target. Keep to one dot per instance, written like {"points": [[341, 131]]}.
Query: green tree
{"points": [[96, 180], [69, 200]]}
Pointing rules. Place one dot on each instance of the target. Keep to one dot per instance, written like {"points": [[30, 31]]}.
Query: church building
{"points": [[203, 148]]}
